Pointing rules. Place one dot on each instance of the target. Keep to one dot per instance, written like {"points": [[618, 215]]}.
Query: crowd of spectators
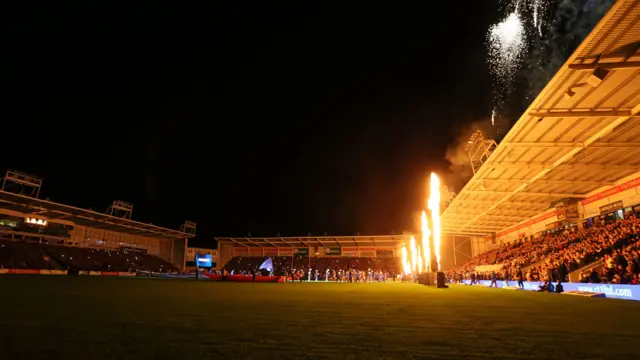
{"points": [[621, 266], [33, 255], [553, 256]]}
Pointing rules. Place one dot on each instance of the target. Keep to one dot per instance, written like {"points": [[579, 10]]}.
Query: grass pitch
{"points": [[90, 318]]}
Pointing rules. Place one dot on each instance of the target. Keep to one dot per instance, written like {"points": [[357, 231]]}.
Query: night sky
{"points": [[244, 118]]}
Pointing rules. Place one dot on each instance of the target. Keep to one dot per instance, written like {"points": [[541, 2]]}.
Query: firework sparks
{"points": [[538, 9], [509, 41], [507, 47]]}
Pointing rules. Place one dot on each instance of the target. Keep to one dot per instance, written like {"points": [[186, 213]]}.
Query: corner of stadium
{"points": [[48, 235]]}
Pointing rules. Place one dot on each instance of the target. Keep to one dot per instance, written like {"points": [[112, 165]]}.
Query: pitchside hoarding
{"points": [[615, 291]]}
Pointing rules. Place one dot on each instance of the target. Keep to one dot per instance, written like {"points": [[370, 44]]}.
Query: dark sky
{"points": [[244, 118]]}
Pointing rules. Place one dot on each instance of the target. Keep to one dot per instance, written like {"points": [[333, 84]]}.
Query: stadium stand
{"points": [[554, 255], [39, 234], [26, 255], [22, 255], [343, 254], [558, 198]]}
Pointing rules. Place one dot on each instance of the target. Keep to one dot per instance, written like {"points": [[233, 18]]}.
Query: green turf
{"points": [[114, 318]]}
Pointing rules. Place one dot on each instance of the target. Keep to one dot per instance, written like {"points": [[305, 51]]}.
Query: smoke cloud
{"points": [[460, 170]]}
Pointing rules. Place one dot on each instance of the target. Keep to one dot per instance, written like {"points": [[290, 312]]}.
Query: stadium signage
{"points": [[611, 207], [615, 291], [302, 251], [35, 221], [571, 212], [384, 253], [203, 260], [192, 252], [350, 251], [285, 251], [333, 251], [529, 223], [560, 212], [612, 191], [133, 250]]}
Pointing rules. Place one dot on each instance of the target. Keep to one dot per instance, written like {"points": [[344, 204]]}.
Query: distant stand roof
{"points": [[52, 211], [322, 241]]}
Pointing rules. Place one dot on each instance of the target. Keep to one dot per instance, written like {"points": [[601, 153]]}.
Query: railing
{"points": [[575, 275]]}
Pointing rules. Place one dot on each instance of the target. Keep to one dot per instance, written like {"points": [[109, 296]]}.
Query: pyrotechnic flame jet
{"points": [[434, 206], [406, 267], [426, 253], [414, 254]]}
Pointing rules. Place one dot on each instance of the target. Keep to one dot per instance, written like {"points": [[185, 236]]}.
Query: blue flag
{"points": [[267, 265]]}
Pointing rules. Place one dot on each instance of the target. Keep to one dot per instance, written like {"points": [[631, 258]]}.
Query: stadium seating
{"points": [[553, 256], [29, 255], [22, 255]]}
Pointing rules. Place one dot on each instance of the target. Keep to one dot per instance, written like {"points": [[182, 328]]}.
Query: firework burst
{"points": [[508, 44], [507, 47]]}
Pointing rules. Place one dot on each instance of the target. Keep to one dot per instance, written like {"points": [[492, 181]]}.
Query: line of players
{"points": [[342, 275]]}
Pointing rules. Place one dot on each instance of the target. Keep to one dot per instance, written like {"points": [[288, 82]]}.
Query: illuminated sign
{"points": [[35, 221], [193, 252], [611, 207], [203, 260]]}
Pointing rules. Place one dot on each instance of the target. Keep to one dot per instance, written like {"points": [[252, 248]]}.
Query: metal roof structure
{"points": [[52, 211], [581, 133], [324, 241]]}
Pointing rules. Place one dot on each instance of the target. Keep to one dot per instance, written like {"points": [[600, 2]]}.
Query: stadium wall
{"points": [[226, 251], [480, 245]]}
